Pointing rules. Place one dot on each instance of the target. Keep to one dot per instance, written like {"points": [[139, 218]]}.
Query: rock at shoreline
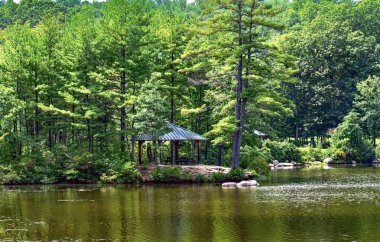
{"points": [[275, 162], [229, 184], [328, 160], [285, 164], [250, 183]]}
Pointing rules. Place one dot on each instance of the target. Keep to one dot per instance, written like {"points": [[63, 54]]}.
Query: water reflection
{"points": [[304, 204]]}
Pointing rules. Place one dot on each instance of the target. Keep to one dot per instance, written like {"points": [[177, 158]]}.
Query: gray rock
{"points": [[250, 183], [328, 160], [229, 184], [275, 162]]}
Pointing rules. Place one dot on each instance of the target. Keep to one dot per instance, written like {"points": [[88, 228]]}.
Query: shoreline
{"points": [[151, 182]]}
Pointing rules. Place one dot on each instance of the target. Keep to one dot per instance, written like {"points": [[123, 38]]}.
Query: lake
{"points": [[337, 204]]}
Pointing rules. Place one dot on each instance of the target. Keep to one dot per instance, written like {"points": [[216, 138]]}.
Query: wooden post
{"points": [[199, 151], [155, 152], [206, 152], [140, 151], [171, 153], [161, 152], [176, 144], [192, 149]]}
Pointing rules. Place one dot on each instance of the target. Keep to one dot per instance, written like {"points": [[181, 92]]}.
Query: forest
{"points": [[79, 80]]}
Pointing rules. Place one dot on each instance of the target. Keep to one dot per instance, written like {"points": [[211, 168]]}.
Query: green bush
{"points": [[166, 174], [259, 167], [71, 174], [339, 154], [310, 154], [127, 174], [218, 177], [250, 154], [84, 168], [349, 138], [283, 151], [200, 178], [9, 176], [377, 151], [236, 174]]}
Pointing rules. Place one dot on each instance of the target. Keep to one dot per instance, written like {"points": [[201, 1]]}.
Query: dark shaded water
{"points": [[294, 205]]}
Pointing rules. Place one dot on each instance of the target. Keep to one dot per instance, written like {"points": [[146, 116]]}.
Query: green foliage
{"points": [[368, 102], [218, 177], [200, 178], [127, 174], [252, 154], [236, 174], [79, 81], [283, 151], [377, 152], [335, 49], [259, 167], [311, 154], [349, 140], [8, 175], [167, 174]]}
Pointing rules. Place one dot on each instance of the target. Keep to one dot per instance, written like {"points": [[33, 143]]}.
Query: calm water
{"points": [[294, 205]]}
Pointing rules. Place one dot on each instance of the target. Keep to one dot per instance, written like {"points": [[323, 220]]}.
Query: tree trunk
{"points": [[237, 133], [122, 100], [219, 156]]}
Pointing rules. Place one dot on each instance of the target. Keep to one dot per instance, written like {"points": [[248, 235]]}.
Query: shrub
{"points": [[166, 174], [71, 174], [200, 178], [9, 176], [236, 174], [250, 154], [187, 176], [127, 174], [83, 168], [312, 154], [260, 167], [218, 177], [283, 151], [339, 154], [377, 151], [349, 137]]}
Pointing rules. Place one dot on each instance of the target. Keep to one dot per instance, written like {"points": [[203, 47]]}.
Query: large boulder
{"points": [[229, 184], [250, 183], [275, 162], [328, 160]]}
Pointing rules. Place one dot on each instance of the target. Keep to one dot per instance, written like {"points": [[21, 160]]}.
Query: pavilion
{"points": [[175, 135]]}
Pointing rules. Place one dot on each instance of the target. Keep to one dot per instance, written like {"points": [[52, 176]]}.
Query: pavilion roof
{"points": [[259, 133], [176, 133]]}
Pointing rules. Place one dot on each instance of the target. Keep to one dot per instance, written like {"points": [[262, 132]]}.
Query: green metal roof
{"points": [[176, 133]]}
